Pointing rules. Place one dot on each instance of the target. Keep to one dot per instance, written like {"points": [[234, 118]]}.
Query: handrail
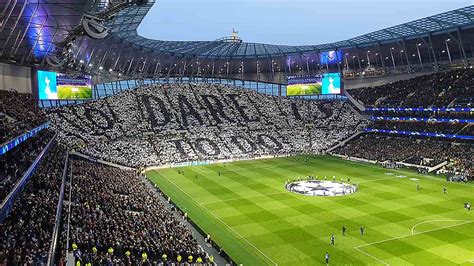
{"points": [[5, 147], [59, 208], [69, 217], [92, 159], [7, 204]]}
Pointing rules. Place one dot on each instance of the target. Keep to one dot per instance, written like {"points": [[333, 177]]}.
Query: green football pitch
{"points": [[74, 92], [249, 213]]}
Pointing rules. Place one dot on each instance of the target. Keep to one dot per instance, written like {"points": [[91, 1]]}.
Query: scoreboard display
{"points": [[322, 84], [58, 86]]}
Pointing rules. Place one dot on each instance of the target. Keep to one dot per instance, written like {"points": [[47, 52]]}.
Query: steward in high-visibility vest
{"points": [[164, 257], [211, 259], [74, 247], [190, 258], [144, 256], [199, 260], [127, 253], [111, 250], [78, 263], [94, 250], [179, 258]]}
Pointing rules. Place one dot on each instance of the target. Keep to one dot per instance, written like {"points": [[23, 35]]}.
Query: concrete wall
{"points": [[15, 77]]}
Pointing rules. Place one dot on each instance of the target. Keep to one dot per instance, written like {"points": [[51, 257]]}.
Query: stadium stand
{"points": [[16, 161], [171, 123], [397, 149], [434, 90], [448, 89], [19, 112], [116, 218], [26, 234]]}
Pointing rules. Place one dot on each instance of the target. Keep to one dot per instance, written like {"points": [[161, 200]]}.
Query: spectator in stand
{"points": [[116, 218], [396, 149], [433, 90], [169, 123], [16, 161], [19, 113], [26, 233]]}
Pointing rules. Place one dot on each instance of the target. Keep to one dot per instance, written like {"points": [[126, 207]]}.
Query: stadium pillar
{"points": [[307, 65], [156, 70], [339, 67], [380, 55], [357, 56], [393, 59], [446, 41], [435, 67], [419, 54], [347, 61], [212, 72], [406, 55], [461, 46], [368, 58]]}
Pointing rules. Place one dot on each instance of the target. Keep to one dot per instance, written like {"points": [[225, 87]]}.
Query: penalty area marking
{"points": [[372, 256], [434, 221], [219, 219], [404, 236]]}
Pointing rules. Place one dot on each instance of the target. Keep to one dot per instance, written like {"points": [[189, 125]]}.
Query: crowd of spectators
{"points": [[382, 148], [16, 161], [169, 123], [19, 113], [433, 90], [116, 219], [25, 235]]}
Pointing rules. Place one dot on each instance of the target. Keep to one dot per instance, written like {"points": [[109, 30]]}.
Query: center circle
{"points": [[321, 188]]}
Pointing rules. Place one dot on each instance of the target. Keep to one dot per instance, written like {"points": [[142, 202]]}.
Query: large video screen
{"points": [[330, 58], [58, 86], [328, 83]]}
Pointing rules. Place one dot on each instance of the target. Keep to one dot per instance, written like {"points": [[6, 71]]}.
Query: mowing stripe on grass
{"points": [[427, 231], [404, 236], [241, 198], [219, 219], [431, 221], [372, 256], [251, 203]]}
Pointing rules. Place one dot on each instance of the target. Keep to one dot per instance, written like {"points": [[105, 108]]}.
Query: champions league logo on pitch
{"points": [[321, 188]]}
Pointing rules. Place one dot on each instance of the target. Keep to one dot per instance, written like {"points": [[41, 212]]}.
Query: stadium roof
{"points": [[32, 30], [126, 23]]}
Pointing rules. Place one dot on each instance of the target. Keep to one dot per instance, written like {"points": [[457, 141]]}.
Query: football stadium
{"points": [[143, 132]]}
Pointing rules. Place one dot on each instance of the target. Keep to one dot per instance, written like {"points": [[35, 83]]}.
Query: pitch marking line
{"points": [[241, 198], [404, 236], [372, 256], [432, 221], [235, 232]]}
